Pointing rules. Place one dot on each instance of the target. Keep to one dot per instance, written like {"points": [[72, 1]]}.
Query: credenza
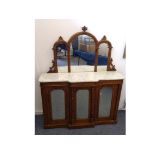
{"points": [[80, 99]]}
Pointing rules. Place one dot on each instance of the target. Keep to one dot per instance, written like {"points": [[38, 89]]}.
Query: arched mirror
{"points": [[60, 54], [82, 51], [104, 54]]}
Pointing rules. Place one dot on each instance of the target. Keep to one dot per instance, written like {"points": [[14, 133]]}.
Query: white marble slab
{"points": [[74, 77]]}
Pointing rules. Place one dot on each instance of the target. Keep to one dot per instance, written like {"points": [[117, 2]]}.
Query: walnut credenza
{"points": [[80, 99]]}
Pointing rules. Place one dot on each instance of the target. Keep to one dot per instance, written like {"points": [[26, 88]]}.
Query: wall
{"points": [[47, 32]]}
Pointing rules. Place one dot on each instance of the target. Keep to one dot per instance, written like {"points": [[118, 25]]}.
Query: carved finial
{"points": [[104, 38], [84, 28], [60, 39]]}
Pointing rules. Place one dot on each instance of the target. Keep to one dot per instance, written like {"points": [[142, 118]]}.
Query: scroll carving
{"points": [[53, 69], [111, 66]]}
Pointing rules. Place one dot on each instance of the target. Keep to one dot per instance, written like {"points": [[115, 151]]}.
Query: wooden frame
{"points": [[70, 90], [116, 91], [90, 35], [54, 68], [47, 109], [75, 122], [110, 66]]}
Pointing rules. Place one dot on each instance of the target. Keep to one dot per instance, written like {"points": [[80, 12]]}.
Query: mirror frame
{"points": [[90, 35], [54, 68], [110, 66]]}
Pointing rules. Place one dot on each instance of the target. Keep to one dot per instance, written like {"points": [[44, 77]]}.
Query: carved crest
{"points": [[84, 28], [104, 38], [60, 39]]}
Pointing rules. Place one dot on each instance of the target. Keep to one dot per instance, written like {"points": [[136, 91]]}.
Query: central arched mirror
{"points": [[82, 51]]}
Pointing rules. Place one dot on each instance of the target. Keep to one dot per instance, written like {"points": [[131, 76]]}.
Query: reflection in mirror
{"points": [[103, 54], [61, 52], [82, 50]]}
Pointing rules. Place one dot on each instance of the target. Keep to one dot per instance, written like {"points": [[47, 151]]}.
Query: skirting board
{"points": [[38, 113]]}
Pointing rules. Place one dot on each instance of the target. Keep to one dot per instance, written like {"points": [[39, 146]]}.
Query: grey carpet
{"points": [[110, 129]]}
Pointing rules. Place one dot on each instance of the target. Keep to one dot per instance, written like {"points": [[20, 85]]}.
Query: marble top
{"points": [[82, 76]]}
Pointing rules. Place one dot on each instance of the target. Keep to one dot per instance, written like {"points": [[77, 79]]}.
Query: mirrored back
{"points": [[83, 52]]}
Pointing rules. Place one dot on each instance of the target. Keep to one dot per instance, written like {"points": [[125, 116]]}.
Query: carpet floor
{"points": [[108, 129]]}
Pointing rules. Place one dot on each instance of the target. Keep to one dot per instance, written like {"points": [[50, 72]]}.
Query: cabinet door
{"points": [[82, 104], [107, 101], [56, 106], [82, 107]]}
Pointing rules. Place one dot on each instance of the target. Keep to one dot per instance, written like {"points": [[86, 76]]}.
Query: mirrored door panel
{"points": [[82, 104], [105, 99], [57, 104]]}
